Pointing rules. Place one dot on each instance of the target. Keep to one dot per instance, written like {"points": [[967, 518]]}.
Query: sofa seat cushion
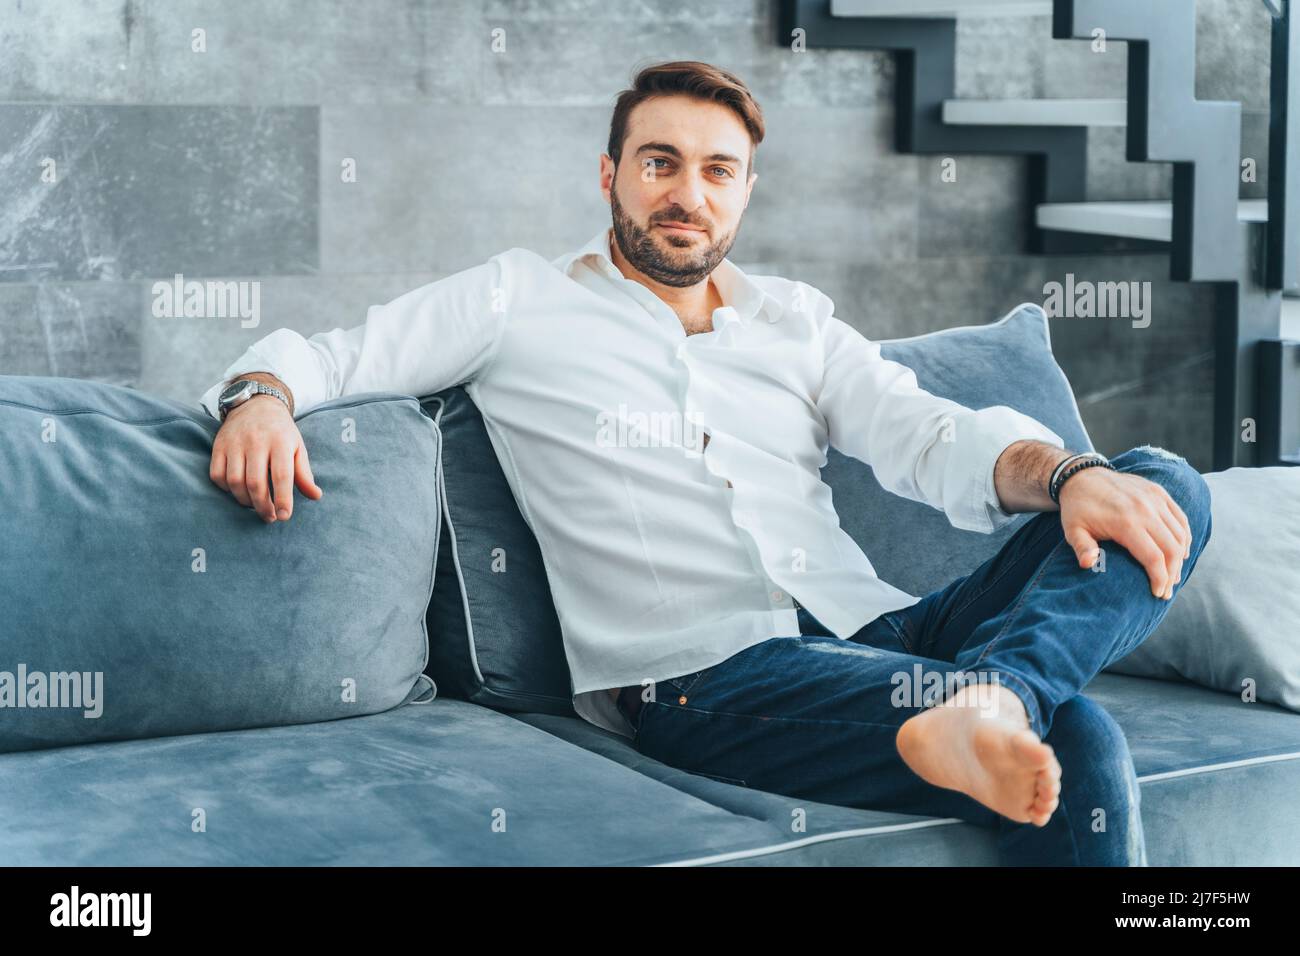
{"points": [[422, 785], [1215, 773], [439, 783]]}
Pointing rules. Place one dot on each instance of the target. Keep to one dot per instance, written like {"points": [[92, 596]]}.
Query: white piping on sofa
{"points": [[947, 821]]}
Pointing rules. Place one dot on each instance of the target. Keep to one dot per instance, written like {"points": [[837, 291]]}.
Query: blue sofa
{"points": [[454, 781]]}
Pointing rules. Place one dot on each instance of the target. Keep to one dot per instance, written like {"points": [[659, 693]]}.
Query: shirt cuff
{"points": [[998, 428], [208, 400]]}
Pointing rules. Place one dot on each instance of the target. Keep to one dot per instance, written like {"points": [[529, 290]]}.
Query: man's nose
{"points": [[687, 195]]}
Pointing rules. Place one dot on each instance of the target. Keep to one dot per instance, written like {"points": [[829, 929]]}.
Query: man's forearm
{"points": [[1022, 473], [266, 378]]}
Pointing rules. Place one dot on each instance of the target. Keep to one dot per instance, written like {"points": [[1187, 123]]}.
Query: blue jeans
{"points": [[815, 716]]}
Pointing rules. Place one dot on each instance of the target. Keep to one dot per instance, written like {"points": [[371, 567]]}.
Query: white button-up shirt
{"points": [[667, 554]]}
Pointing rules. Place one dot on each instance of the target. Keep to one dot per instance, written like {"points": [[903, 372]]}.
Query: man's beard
{"points": [[686, 266]]}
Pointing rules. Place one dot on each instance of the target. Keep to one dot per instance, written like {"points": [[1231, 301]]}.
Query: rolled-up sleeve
{"points": [[442, 334], [921, 446]]}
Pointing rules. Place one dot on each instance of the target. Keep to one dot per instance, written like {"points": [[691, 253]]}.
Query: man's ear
{"points": [[607, 165]]}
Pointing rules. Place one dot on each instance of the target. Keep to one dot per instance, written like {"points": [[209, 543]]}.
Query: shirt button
{"points": [[778, 596]]}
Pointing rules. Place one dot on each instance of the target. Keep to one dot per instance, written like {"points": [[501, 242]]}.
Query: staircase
{"points": [[1249, 250]]}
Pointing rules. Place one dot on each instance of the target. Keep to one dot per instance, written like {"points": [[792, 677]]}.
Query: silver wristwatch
{"points": [[236, 393]]}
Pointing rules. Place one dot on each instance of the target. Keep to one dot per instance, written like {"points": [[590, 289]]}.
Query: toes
{"points": [[1043, 804], [1047, 795], [1047, 792], [1040, 813]]}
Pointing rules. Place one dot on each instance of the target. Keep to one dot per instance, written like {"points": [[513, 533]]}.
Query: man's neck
{"points": [[693, 304]]}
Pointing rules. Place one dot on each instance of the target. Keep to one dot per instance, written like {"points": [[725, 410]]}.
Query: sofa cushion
{"points": [[182, 611], [494, 635], [1235, 625], [1007, 362], [1214, 772], [447, 784]]}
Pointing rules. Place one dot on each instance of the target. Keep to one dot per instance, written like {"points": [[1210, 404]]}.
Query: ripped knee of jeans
{"points": [[839, 646], [1185, 485], [1158, 452]]}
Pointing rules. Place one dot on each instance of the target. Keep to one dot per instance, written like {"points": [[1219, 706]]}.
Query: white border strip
{"points": [[1208, 768], [455, 550], [808, 841]]}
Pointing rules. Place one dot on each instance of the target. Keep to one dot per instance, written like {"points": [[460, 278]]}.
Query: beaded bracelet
{"points": [[1090, 460], [1062, 464]]}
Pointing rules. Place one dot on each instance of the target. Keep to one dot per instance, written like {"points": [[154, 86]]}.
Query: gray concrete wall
{"points": [[226, 164]]}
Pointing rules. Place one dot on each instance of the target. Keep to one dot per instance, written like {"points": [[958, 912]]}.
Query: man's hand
{"points": [[258, 437], [1098, 504]]}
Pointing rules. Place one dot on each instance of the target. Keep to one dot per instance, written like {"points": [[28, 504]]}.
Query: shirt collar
{"points": [[737, 289]]}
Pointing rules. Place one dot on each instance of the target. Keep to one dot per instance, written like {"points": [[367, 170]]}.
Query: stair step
{"points": [[1133, 220], [1036, 112], [1291, 318], [944, 9]]}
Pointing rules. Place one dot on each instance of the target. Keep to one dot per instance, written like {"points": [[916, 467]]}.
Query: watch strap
{"points": [[259, 388]]}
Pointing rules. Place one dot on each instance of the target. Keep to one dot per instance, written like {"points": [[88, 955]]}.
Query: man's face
{"points": [[679, 192]]}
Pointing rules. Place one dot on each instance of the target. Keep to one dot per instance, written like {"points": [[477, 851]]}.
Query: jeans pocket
{"points": [[685, 682], [901, 625]]}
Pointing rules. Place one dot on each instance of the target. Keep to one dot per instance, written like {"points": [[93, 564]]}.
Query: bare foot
{"points": [[979, 743]]}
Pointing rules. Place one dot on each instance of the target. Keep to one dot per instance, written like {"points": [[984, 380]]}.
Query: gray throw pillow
{"points": [[1235, 625], [494, 637], [1007, 362], [137, 599]]}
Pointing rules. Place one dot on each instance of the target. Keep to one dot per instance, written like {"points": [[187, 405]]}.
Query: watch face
{"points": [[237, 389]]}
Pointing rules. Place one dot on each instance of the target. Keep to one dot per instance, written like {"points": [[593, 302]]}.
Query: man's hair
{"points": [[687, 78]]}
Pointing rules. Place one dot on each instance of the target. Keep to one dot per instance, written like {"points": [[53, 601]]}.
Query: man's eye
{"points": [[725, 170]]}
